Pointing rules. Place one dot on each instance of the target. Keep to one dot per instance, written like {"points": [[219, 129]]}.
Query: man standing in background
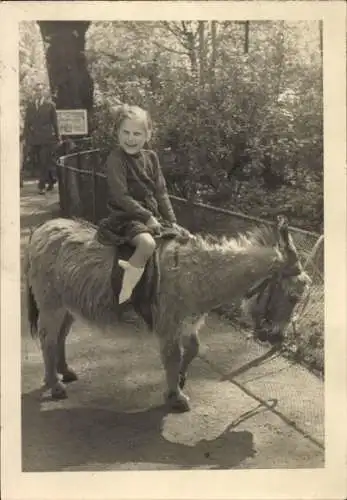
{"points": [[41, 135]]}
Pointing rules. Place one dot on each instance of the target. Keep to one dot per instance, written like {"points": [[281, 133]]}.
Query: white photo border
{"points": [[327, 483]]}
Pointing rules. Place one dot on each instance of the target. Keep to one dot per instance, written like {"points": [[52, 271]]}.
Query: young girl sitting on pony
{"points": [[137, 195]]}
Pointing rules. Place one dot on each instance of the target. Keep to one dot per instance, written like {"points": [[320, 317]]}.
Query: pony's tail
{"points": [[33, 311], [32, 308]]}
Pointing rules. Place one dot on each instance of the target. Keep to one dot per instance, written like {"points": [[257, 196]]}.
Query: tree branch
{"points": [[176, 32], [183, 36], [169, 49], [190, 33]]}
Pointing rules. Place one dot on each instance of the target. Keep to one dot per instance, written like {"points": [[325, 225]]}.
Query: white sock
{"points": [[132, 276]]}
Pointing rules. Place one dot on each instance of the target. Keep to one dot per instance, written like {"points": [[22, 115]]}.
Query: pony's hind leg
{"points": [[68, 374], [49, 325], [171, 354]]}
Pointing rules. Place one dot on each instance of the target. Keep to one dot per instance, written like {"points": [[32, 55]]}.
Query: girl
{"points": [[138, 200]]}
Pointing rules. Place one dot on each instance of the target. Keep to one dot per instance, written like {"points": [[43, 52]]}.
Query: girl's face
{"points": [[132, 135]]}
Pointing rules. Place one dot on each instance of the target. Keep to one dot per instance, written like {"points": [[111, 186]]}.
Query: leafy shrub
{"points": [[240, 130]]}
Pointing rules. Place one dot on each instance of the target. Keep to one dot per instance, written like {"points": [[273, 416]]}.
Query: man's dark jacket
{"points": [[40, 124]]}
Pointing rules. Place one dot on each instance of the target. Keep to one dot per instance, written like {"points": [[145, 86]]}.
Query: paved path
{"points": [[250, 407]]}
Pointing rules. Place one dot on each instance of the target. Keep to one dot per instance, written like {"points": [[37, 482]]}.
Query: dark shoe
{"points": [[50, 187], [41, 191]]}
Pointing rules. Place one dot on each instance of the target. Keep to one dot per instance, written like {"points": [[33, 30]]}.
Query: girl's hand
{"points": [[153, 224], [182, 230]]}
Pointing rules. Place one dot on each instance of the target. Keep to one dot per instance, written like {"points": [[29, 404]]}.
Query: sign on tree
{"points": [[72, 121]]}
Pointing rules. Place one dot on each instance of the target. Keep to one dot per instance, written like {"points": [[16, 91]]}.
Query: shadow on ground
{"points": [[59, 439]]}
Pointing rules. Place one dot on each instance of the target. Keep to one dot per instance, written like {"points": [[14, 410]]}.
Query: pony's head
{"points": [[270, 303]]}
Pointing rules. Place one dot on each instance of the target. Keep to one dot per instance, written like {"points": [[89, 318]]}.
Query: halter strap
{"points": [[258, 287], [263, 283]]}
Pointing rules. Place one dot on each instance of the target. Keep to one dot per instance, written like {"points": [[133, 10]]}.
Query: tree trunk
{"points": [[70, 82], [321, 49], [213, 61], [153, 74], [202, 53], [279, 61], [320, 26], [246, 44], [192, 54]]}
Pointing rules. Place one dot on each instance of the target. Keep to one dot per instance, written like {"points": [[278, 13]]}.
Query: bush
{"points": [[239, 130]]}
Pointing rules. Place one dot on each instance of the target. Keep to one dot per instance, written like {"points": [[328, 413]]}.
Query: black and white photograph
{"points": [[181, 233]]}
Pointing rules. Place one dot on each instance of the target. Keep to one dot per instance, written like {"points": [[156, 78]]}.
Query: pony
{"points": [[68, 275]]}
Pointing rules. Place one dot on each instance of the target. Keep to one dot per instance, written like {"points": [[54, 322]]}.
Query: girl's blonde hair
{"points": [[125, 111]]}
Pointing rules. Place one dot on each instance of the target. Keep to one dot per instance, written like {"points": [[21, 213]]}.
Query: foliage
{"points": [[32, 69], [240, 130], [237, 107]]}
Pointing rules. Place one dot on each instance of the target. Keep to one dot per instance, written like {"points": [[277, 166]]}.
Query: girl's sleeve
{"points": [[118, 190], [165, 207]]}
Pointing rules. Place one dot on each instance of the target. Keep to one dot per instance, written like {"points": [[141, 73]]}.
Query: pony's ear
{"points": [[283, 230], [285, 240]]}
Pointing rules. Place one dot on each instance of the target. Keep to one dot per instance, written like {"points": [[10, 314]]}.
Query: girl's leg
{"points": [[133, 269], [144, 247]]}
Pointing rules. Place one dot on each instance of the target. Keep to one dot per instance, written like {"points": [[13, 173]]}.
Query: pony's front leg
{"points": [[191, 349], [191, 343], [49, 324], [171, 353]]}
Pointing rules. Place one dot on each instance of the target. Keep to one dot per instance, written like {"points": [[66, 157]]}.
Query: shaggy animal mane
{"points": [[86, 231], [85, 223], [262, 236]]}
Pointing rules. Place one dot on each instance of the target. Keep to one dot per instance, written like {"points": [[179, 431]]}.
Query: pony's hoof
{"points": [[182, 381], [276, 339], [261, 335], [69, 376], [178, 402], [58, 391]]}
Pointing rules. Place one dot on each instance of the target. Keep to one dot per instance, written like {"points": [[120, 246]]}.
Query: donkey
{"points": [[68, 275]]}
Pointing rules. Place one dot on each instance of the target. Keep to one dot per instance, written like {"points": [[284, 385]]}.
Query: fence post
{"points": [[314, 250], [61, 185], [74, 187], [66, 204], [78, 184]]}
